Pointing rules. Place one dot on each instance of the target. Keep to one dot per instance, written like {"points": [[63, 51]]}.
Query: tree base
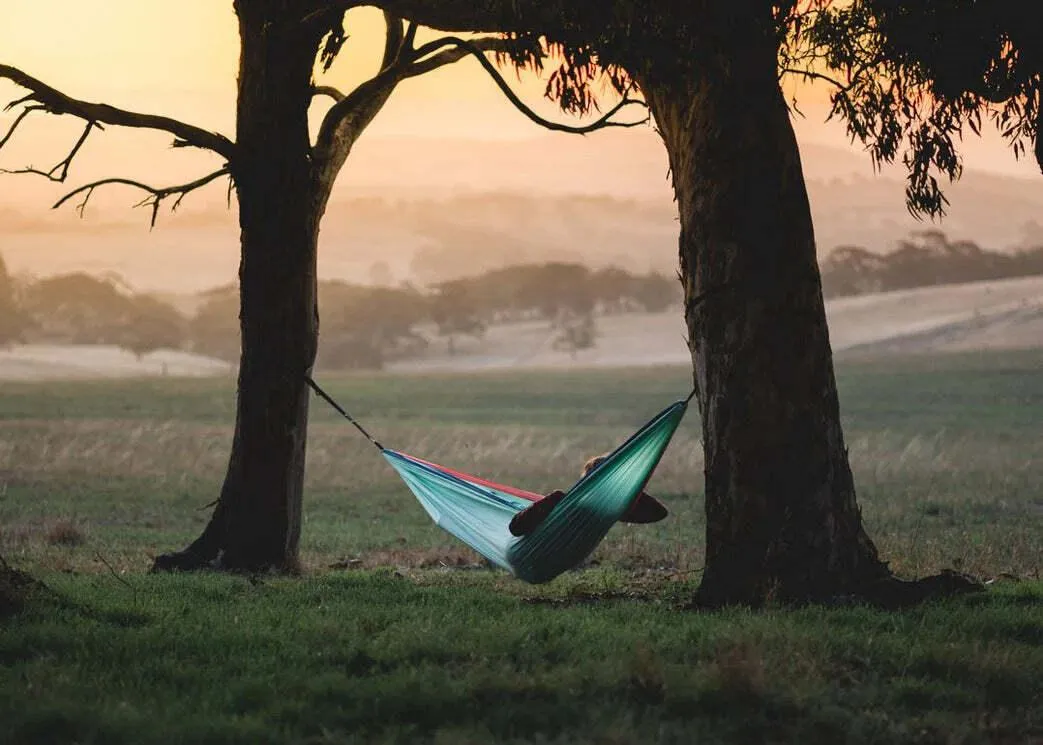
{"points": [[16, 587], [892, 593], [184, 561], [886, 593]]}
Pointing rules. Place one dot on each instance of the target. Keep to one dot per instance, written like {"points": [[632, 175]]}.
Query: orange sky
{"points": [[178, 57]]}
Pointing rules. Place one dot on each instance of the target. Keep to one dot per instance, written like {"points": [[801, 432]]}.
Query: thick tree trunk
{"points": [[782, 519], [256, 524]]}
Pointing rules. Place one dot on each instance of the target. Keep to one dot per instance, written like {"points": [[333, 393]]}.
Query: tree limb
{"points": [[328, 90], [467, 47], [25, 112], [156, 195], [812, 75], [394, 40], [43, 97], [455, 54], [61, 171], [492, 16]]}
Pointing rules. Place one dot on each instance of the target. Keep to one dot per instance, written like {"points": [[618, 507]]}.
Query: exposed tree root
{"points": [[895, 594], [15, 589]]}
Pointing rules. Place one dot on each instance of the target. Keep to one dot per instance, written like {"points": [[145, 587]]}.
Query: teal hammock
{"points": [[478, 511]]}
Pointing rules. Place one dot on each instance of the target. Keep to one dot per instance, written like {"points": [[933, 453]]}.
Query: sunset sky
{"points": [[179, 58]]}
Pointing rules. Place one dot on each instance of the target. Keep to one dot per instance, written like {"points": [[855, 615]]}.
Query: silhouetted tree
{"points": [[283, 179], [910, 77], [782, 518]]}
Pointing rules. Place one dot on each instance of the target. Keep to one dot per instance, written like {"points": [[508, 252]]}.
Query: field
{"points": [[398, 634]]}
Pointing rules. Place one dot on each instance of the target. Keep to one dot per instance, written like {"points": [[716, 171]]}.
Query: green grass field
{"points": [[397, 634]]}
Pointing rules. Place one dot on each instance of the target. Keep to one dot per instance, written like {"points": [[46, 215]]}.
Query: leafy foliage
{"points": [[910, 77]]}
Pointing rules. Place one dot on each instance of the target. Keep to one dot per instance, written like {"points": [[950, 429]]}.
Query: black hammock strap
{"points": [[318, 390]]}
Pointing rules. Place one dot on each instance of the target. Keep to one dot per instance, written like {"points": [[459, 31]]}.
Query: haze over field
{"points": [[449, 179], [423, 210], [978, 316]]}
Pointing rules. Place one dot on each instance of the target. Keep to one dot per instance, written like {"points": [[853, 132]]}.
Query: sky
{"points": [[179, 58]]}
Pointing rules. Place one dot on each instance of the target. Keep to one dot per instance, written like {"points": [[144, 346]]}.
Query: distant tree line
{"points": [[928, 258], [362, 326]]}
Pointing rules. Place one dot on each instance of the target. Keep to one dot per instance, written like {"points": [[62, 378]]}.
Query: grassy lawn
{"points": [[415, 641]]}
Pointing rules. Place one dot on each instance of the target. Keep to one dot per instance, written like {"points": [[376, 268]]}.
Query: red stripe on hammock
{"points": [[530, 496]]}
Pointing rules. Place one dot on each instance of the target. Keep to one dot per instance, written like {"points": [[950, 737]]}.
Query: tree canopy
{"points": [[910, 78]]}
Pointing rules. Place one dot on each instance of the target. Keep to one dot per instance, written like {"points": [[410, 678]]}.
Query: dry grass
{"points": [[947, 463], [65, 533]]}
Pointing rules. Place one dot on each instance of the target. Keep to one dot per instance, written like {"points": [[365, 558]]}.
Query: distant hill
{"points": [[977, 316], [426, 209]]}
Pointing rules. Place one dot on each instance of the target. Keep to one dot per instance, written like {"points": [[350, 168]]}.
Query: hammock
{"points": [[478, 511]]}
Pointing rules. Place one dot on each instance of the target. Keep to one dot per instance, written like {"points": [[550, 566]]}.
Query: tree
{"points": [[12, 320], [576, 331], [283, 181], [367, 326], [455, 311], [782, 518], [153, 324], [77, 308], [909, 77], [214, 327]]}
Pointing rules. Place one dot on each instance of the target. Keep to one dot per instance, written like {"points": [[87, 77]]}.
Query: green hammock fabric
{"points": [[478, 511]]}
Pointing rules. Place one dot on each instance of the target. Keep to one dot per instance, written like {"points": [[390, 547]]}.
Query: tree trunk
{"points": [[781, 515], [256, 524]]}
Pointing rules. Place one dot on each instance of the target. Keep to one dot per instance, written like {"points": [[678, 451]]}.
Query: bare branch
{"points": [[394, 40], [61, 171], [454, 54], [470, 48], [25, 112], [369, 93], [328, 90], [156, 195], [411, 30], [46, 98]]}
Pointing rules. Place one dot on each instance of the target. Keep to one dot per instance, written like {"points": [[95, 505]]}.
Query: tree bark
{"points": [[256, 524], [782, 521]]}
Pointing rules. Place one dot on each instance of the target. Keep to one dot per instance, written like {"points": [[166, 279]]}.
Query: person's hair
{"points": [[593, 463]]}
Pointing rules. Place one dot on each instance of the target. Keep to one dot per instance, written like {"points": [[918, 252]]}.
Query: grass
{"points": [[376, 657], [410, 639]]}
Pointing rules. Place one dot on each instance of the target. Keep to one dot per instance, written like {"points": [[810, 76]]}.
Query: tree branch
{"points": [[43, 97], [61, 171], [491, 16], [328, 90], [25, 112], [394, 40], [812, 75], [467, 47], [455, 54], [156, 195]]}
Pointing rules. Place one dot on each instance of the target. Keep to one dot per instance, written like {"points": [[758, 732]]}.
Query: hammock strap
{"points": [[315, 387]]}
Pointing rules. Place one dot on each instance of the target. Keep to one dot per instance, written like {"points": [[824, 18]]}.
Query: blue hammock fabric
{"points": [[478, 512]]}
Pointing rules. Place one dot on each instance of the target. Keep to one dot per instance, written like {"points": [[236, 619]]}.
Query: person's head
{"points": [[593, 463]]}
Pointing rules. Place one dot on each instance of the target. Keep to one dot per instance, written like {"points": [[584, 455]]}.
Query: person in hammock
{"points": [[645, 509]]}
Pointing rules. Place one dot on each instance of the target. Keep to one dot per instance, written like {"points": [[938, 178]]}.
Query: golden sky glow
{"points": [[179, 57]]}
